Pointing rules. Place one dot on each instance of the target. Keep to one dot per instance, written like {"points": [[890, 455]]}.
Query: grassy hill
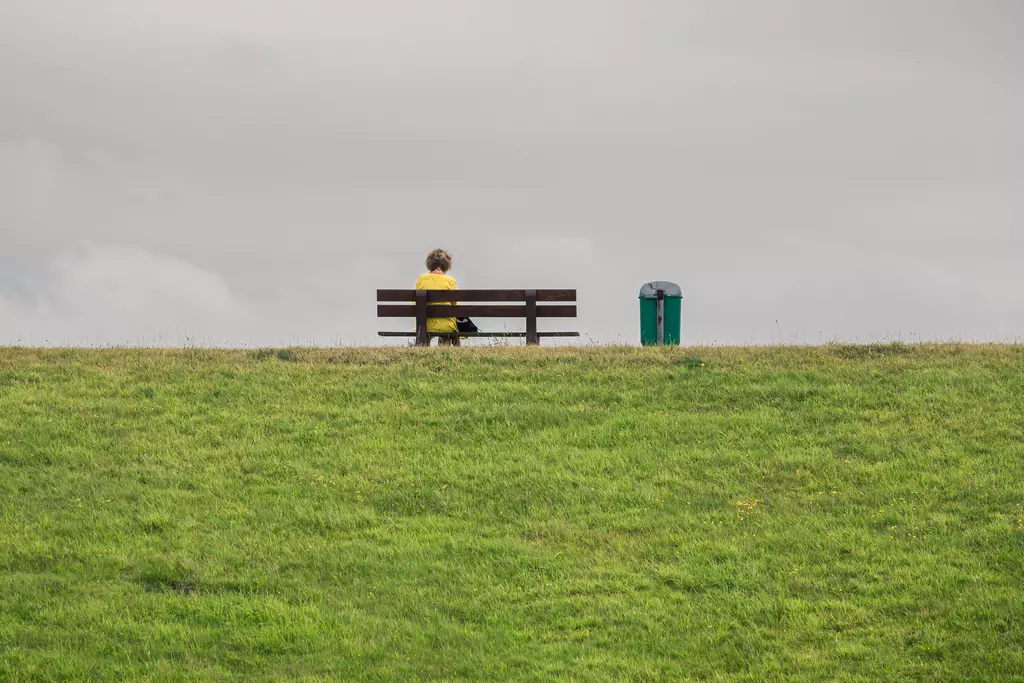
{"points": [[842, 513]]}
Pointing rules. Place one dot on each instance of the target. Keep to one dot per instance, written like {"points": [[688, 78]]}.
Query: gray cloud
{"points": [[241, 173]]}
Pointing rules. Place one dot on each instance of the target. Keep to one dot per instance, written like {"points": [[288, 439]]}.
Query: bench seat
{"points": [[536, 303], [478, 334]]}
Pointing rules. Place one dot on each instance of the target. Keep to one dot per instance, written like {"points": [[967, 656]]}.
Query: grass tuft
{"points": [[864, 351]]}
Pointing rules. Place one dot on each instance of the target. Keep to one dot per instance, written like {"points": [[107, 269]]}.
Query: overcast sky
{"points": [[248, 172]]}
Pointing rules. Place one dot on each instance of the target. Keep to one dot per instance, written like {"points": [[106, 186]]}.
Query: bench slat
{"points": [[478, 295], [478, 311], [480, 334]]}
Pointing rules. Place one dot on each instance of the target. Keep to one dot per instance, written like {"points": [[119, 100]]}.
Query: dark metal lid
{"points": [[650, 290]]}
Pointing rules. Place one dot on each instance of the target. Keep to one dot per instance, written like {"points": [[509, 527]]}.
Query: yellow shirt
{"points": [[439, 281]]}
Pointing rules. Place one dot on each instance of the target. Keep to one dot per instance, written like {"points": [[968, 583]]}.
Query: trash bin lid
{"points": [[650, 290]]}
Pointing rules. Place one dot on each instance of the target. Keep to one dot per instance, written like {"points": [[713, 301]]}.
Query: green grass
{"points": [[835, 513]]}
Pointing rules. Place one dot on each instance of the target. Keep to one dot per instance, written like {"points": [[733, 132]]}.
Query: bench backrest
{"points": [[537, 303]]}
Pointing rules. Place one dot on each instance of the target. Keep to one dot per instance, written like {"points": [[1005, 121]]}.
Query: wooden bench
{"points": [[537, 303]]}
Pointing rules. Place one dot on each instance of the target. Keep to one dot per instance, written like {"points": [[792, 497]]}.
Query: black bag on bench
{"points": [[466, 325]]}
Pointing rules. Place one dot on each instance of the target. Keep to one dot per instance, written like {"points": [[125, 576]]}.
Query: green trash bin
{"points": [[660, 313]]}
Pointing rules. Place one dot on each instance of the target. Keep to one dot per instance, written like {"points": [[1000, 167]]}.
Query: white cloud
{"points": [[117, 294]]}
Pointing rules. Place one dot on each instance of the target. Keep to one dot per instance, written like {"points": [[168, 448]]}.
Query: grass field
{"points": [[835, 513]]}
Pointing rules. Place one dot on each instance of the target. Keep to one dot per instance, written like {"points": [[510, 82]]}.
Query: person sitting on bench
{"points": [[439, 262]]}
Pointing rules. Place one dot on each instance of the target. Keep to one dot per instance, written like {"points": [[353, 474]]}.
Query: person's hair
{"points": [[439, 259]]}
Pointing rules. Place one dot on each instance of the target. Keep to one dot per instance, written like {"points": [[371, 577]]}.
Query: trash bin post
{"points": [[661, 317]]}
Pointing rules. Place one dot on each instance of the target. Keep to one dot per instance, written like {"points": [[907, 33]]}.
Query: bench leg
{"points": [[422, 337], [532, 339]]}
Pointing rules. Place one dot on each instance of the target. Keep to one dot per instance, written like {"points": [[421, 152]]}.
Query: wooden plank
{"points": [[480, 334], [477, 295], [475, 311], [531, 318]]}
